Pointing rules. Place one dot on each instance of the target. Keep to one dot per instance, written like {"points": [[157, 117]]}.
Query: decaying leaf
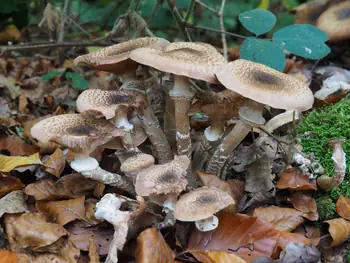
{"points": [[22, 232], [8, 163], [56, 163], [90, 206], [305, 204], [343, 207], [93, 255], [299, 252], [62, 212], [216, 257], [339, 229], [17, 147], [283, 219], [13, 202], [42, 190], [8, 184], [293, 180], [247, 237], [8, 256], [151, 247], [258, 177]]}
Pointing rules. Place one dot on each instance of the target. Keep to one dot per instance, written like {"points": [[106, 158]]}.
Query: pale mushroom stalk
{"points": [[207, 224], [169, 206], [279, 121], [339, 160], [83, 162], [121, 119]]}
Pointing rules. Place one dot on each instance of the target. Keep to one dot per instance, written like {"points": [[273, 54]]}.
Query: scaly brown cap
{"points": [[201, 203], [75, 132], [308, 13], [265, 85], [137, 162], [194, 60]]}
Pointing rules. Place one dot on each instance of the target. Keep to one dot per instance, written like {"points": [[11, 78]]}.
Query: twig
{"points": [[222, 28], [189, 11], [179, 21], [63, 20], [208, 7], [215, 30], [77, 25]]}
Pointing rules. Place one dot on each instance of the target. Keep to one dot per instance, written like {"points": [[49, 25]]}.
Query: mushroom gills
{"points": [[83, 163], [207, 224]]}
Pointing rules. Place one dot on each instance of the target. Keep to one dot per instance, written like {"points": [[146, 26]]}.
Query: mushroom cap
{"points": [[265, 85], [74, 131], [115, 58], [164, 178], [201, 203], [106, 102], [194, 60], [335, 22], [137, 162], [307, 13]]}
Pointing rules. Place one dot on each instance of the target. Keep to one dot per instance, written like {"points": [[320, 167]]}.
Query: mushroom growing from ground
{"points": [[200, 205], [166, 180], [82, 135], [262, 85], [307, 13], [135, 164]]}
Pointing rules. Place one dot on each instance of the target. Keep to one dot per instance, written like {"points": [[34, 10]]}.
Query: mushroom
{"points": [[307, 13], [184, 60], [82, 135], [262, 85], [167, 180], [280, 120], [200, 205], [135, 164], [335, 22]]}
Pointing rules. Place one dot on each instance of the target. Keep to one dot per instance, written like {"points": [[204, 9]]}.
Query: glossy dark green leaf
{"points": [[264, 52], [78, 81], [50, 75], [258, 21]]}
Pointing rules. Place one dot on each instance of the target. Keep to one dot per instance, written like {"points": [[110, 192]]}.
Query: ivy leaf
{"points": [[258, 21], [264, 52], [78, 81], [302, 40], [50, 75]]}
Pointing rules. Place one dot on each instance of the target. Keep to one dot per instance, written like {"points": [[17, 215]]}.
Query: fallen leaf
{"points": [[305, 204], [151, 247], [17, 147], [8, 256], [247, 237], [283, 219], [22, 232], [90, 206], [8, 163], [7, 122], [56, 163], [42, 190], [22, 104], [258, 176], [299, 252], [292, 179], [216, 257], [8, 184], [343, 207], [13, 202], [93, 254], [339, 229], [62, 212]]}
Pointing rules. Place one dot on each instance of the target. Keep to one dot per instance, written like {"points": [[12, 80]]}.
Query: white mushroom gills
{"points": [[207, 224]]}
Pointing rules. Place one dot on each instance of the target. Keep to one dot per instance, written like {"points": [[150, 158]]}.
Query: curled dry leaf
{"points": [[62, 212], [8, 256], [8, 163], [13, 202], [258, 177], [292, 179], [56, 163], [339, 229], [283, 219], [17, 147], [247, 237], [299, 252], [305, 204], [8, 184], [90, 206], [22, 232], [151, 247], [216, 257], [93, 255], [343, 207]]}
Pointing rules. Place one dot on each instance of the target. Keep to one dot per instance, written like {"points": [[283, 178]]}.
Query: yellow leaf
{"points": [[264, 4], [8, 163]]}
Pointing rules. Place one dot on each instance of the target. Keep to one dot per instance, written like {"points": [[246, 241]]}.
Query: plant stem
{"points": [[179, 21], [189, 11]]}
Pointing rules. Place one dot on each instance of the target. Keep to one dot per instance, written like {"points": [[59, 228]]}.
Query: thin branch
{"points": [[222, 28], [189, 11], [208, 7], [77, 25], [215, 30], [179, 21], [63, 20]]}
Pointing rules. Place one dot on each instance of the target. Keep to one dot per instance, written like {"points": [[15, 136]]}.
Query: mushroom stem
{"points": [[339, 160], [121, 119], [169, 206], [280, 120], [83, 162], [207, 224], [169, 121]]}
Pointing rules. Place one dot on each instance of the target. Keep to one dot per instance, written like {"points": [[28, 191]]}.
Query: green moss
{"points": [[316, 130]]}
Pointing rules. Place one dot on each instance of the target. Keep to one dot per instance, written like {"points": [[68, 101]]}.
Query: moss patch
{"points": [[316, 130]]}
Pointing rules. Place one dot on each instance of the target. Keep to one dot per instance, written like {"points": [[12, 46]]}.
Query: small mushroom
{"points": [[335, 22], [280, 120], [200, 205], [136, 163], [307, 13]]}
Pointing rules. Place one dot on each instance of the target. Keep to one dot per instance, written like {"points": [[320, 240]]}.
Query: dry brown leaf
{"points": [[56, 163], [93, 254], [258, 176], [339, 229], [22, 232], [216, 257], [8, 256], [8, 163], [22, 104], [8, 184], [247, 237], [13, 202], [283, 219], [7, 122], [151, 247], [305, 204], [42, 190], [343, 207], [62, 212], [90, 205], [17, 147], [292, 179]]}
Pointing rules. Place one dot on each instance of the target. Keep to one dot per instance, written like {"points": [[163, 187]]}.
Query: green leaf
{"points": [[78, 81], [258, 21], [302, 40], [264, 52], [50, 75]]}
